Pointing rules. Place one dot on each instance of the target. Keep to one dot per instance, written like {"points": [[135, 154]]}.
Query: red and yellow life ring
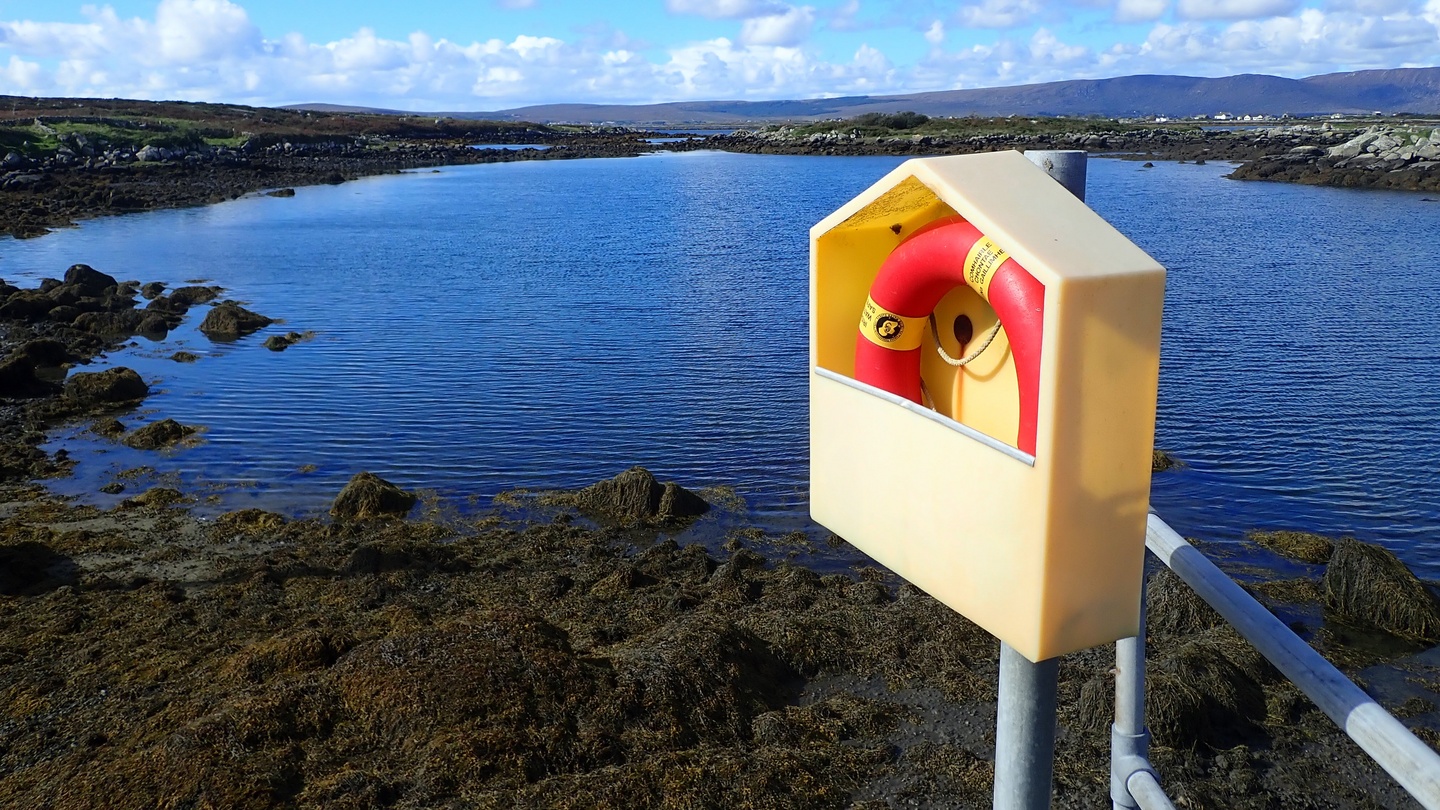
{"points": [[934, 260]]}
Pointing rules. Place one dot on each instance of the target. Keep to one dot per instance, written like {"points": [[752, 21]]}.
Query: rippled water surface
{"points": [[547, 324]]}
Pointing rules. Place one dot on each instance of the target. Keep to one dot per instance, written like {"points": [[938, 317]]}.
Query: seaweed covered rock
{"points": [[194, 294], [114, 385], [119, 323], [1368, 585], [1204, 693], [635, 496], [156, 435], [25, 305], [229, 321], [1302, 546], [42, 352], [155, 498], [1175, 609], [370, 496], [699, 678], [279, 343], [17, 379], [1160, 461]]}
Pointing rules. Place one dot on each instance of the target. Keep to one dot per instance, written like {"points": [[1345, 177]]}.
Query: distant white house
{"points": [[1222, 116]]}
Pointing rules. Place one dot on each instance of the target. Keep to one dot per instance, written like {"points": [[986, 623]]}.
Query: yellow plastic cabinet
{"points": [[1045, 549]]}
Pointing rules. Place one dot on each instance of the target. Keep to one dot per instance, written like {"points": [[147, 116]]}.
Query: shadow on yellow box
{"points": [[1014, 488]]}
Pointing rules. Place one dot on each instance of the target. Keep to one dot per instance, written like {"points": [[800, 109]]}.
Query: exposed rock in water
{"points": [[111, 324], [160, 434], [194, 294], [635, 496], [279, 343], [1302, 546], [26, 305], [281, 192], [88, 280], [152, 290], [155, 497], [112, 385], [108, 426], [370, 496], [1160, 461], [154, 326], [1367, 584], [184, 357], [229, 320], [43, 352]]}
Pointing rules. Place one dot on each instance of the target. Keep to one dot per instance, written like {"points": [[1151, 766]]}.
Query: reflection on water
{"points": [[546, 324]]}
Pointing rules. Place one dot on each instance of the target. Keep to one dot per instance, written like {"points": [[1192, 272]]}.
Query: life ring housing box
{"points": [[1020, 505]]}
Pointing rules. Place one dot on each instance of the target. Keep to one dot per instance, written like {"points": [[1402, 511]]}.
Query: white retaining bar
{"points": [[1411, 762]]}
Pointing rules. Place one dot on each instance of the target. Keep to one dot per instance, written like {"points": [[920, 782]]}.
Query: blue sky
{"points": [[497, 54]]}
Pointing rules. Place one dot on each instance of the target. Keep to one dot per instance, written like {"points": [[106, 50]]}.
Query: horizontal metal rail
{"points": [[1147, 792], [1411, 762]]}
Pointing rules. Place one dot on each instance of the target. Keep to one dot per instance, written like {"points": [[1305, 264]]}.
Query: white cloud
{"points": [[1130, 11], [843, 18], [210, 50], [1233, 9], [20, 77], [725, 9], [1371, 6], [789, 28], [720, 68], [1047, 49], [1397, 33], [999, 13], [199, 30]]}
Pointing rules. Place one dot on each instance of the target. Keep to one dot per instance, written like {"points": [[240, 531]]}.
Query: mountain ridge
{"points": [[1390, 91]]}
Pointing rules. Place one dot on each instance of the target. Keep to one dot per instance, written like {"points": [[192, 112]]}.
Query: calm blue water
{"points": [[547, 324]]}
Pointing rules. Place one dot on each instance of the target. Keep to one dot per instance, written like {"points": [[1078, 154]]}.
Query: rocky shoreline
{"points": [[570, 649], [37, 195], [81, 179]]}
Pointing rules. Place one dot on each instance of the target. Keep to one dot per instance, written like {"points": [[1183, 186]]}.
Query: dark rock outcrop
{"points": [[89, 281], [123, 323], [229, 321], [112, 385], [279, 343], [156, 435], [370, 496]]}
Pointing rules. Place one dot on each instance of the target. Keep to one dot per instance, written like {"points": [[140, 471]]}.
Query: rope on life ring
{"points": [[936, 259]]}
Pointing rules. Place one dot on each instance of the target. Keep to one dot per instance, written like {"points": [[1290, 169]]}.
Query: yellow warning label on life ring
{"points": [[984, 258], [885, 328]]}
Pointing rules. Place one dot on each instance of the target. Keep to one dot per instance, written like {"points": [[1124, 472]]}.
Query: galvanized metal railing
{"points": [[1025, 722], [1133, 782]]}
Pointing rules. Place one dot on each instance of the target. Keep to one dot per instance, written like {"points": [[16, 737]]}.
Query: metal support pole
{"points": [[1025, 731], [1025, 716], [1067, 166], [1129, 739]]}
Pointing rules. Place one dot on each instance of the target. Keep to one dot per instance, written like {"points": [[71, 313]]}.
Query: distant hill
{"points": [[1406, 90]]}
